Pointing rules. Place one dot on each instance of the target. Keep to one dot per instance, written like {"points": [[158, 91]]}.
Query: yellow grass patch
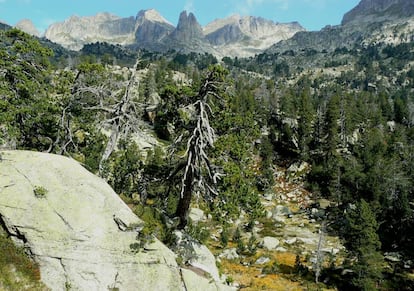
{"points": [[251, 278], [287, 258]]}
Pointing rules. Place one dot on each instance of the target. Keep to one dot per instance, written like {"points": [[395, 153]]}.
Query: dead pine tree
{"points": [[124, 116], [117, 108], [199, 176]]}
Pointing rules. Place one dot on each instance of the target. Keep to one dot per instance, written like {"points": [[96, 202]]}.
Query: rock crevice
{"points": [[13, 232]]}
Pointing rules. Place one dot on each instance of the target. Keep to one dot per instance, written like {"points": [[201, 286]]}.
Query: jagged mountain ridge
{"points": [[231, 29], [188, 28], [76, 31], [188, 36], [152, 31], [253, 34]]}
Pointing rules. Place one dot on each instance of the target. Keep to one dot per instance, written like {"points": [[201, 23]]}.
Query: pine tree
{"points": [[332, 158], [27, 113], [331, 124], [305, 124], [199, 175], [363, 243]]}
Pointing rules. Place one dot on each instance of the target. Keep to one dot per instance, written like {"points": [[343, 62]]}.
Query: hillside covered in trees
{"points": [[171, 132]]}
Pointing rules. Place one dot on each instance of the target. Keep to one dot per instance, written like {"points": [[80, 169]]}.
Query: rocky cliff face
{"points": [[76, 31], [79, 231], [379, 10], [188, 36], [248, 35], [151, 27], [233, 36], [188, 28], [147, 27], [236, 28]]}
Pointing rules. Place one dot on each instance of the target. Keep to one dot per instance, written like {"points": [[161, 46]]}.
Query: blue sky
{"points": [[312, 14]]}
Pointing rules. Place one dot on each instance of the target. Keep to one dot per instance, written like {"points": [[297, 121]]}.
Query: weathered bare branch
{"points": [[120, 125]]}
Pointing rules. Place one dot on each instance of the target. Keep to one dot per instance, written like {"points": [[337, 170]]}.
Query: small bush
{"points": [[237, 235], [240, 247], [299, 268], [271, 269], [198, 231], [224, 237], [154, 222], [40, 191], [237, 238], [252, 244], [172, 203], [143, 238]]}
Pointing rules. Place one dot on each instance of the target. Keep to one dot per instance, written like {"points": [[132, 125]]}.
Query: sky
{"points": [[312, 14]]}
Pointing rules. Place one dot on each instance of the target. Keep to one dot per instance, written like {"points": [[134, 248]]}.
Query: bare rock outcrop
{"points": [[248, 35], [77, 31], [188, 36], [151, 27], [78, 230]]}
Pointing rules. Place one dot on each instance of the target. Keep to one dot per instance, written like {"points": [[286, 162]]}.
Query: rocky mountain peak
{"points": [[187, 28], [98, 18], [379, 10], [151, 15], [27, 26], [104, 16], [189, 25], [151, 27], [241, 36], [249, 25], [248, 35], [77, 31]]}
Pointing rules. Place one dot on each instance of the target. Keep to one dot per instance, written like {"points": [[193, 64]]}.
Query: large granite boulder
{"points": [[196, 255], [77, 229]]}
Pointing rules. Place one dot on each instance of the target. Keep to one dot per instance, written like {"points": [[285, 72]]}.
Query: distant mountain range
{"points": [[233, 36], [371, 21]]}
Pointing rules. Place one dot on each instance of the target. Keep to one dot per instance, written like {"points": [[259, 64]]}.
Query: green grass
{"points": [[17, 270]]}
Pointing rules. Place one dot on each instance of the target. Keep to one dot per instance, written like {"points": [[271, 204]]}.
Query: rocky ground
{"points": [[69, 228], [292, 229]]}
